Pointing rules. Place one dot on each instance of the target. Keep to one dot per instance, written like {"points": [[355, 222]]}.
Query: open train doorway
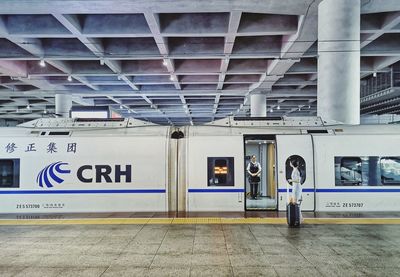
{"points": [[259, 157]]}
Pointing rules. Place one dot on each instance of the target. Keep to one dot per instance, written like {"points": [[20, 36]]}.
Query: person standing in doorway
{"points": [[295, 180], [254, 171]]}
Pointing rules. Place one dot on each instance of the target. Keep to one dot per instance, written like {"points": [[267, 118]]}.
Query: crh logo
{"points": [[50, 175]]}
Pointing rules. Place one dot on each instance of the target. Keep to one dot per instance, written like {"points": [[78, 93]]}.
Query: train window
{"points": [[390, 170], [9, 173], [220, 171], [301, 166], [348, 171]]}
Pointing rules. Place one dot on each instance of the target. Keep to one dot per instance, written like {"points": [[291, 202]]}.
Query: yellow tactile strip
{"points": [[195, 220]]}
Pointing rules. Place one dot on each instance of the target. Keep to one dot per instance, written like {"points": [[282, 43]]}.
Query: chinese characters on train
{"points": [[50, 148]]}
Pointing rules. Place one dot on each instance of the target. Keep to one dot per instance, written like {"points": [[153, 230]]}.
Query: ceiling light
{"points": [[69, 78], [172, 78], [309, 107], [271, 110], [374, 74], [164, 63], [119, 77], [278, 108], [129, 111], [28, 107], [45, 111], [120, 107], [299, 108], [101, 61], [42, 63]]}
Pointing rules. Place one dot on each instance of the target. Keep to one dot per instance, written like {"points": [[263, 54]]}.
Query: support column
{"points": [[258, 105], [63, 105], [339, 61]]}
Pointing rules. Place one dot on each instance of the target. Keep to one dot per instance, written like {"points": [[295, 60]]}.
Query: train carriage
{"points": [[71, 165]]}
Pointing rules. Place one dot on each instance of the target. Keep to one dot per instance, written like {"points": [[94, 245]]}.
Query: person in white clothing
{"points": [[295, 180]]}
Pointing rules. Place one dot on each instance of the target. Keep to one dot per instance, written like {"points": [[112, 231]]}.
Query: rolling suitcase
{"points": [[293, 215]]}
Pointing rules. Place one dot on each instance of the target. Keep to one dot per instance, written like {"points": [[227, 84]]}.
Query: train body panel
{"points": [[84, 173], [204, 194], [196, 168], [349, 172], [297, 147]]}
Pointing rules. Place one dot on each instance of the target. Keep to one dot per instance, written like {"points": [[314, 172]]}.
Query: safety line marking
{"points": [[195, 220]]}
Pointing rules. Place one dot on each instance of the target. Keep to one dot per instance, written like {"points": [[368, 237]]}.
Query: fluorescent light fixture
{"points": [[278, 108], [42, 63], [69, 78], [374, 74]]}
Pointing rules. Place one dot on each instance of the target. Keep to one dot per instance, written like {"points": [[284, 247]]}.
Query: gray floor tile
{"points": [[242, 260], [141, 248], [382, 271], [109, 248], [8, 271], [176, 248], [331, 260], [211, 271], [39, 272], [210, 259], [168, 271], [374, 261], [83, 271], [124, 271], [209, 248], [297, 271], [171, 260], [135, 260], [277, 249], [240, 248], [253, 271], [58, 261], [201, 239], [287, 260], [96, 260], [339, 270]]}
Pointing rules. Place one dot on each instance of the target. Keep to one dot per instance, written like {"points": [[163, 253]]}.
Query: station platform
{"points": [[199, 244], [251, 217]]}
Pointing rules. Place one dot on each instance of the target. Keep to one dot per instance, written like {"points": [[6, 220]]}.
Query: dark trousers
{"points": [[253, 190]]}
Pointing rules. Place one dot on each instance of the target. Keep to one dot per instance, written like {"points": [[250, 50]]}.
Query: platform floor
{"points": [[199, 250]]}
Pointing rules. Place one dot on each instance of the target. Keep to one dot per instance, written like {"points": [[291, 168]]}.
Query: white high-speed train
{"points": [[125, 165]]}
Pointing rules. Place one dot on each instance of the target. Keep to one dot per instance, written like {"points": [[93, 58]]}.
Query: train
{"points": [[69, 165]]}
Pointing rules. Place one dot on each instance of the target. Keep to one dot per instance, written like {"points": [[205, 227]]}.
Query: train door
{"points": [[298, 148], [260, 195]]}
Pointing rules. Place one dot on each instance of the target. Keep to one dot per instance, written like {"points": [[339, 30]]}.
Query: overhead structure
{"points": [[169, 63], [339, 61]]}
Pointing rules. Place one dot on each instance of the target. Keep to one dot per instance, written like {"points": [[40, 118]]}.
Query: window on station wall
{"points": [[9, 173], [348, 171], [390, 170], [220, 171]]}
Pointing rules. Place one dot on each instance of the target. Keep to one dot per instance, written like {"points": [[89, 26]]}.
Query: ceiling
{"points": [[174, 62]]}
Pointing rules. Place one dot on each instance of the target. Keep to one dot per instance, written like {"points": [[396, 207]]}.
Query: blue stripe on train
{"points": [[93, 191], [215, 190], [347, 190]]}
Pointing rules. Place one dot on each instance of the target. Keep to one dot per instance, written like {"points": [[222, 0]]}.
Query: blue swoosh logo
{"points": [[50, 175]]}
